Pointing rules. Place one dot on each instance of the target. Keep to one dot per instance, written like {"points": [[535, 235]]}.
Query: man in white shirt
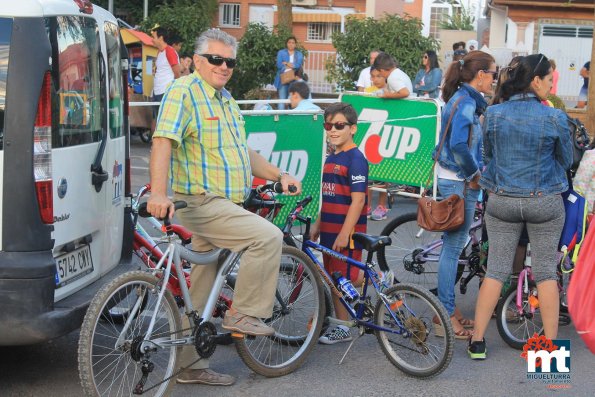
{"points": [[364, 81], [398, 84]]}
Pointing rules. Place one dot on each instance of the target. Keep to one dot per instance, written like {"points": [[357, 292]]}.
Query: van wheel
{"points": [[145, 135]]}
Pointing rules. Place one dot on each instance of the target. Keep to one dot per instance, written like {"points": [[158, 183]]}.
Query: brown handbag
{"points": [[288, 76], [449, 213]]}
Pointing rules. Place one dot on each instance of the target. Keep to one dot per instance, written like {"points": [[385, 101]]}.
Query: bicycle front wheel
{"points": [[411, 313], [516, 327], [110, 358], [414, 252], [298, 315]]}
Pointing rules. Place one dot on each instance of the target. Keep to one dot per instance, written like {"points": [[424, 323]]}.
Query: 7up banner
{"points": [[396, 136], [295, 143]]}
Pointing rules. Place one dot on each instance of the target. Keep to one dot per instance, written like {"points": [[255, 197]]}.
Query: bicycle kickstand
{"points": [[359, 334]]}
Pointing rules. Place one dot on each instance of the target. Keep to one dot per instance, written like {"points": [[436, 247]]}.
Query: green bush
{"points": [[186, 17], [395, 35], [460, 19], [257, 56]]}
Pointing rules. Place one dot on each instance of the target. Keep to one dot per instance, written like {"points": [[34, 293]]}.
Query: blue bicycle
{"points": [[403, 316]]}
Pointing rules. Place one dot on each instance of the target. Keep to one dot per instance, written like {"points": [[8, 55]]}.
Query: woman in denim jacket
{"points": [[428, 78], [459, 165], [287, 58], [527, 150]]}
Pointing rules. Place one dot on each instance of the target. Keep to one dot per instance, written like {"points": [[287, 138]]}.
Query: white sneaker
{"points": [[335, 335]]}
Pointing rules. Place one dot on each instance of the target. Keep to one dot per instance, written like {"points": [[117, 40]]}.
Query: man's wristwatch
{"points": [[281, 175]]}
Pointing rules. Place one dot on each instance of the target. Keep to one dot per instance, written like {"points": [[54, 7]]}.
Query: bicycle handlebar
{"points": [[295, 214], [276, 187]]}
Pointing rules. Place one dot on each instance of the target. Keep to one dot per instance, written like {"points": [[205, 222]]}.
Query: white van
{"points": [[64, 163]]}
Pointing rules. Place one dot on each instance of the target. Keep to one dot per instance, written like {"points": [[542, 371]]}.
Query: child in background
{"points": [[381, 210], [344, 188]]}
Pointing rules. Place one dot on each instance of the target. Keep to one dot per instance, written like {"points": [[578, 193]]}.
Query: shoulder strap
{"points": [[443, 138]]}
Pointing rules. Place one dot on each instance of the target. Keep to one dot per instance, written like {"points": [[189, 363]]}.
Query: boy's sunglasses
{"points": [[338, 125], [218, 61]]}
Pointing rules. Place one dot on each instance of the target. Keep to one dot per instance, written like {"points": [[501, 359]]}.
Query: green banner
{"points": [[396, 136], [295, 143]]}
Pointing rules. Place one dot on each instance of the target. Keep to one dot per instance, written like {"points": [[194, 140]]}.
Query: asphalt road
{"points": [[50, 369]]}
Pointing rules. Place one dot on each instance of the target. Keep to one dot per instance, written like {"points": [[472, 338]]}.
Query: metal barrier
{"points": [[314, 66]]}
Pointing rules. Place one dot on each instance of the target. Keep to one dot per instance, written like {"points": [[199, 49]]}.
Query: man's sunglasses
{"points": [[338, 125], [218, 61]]}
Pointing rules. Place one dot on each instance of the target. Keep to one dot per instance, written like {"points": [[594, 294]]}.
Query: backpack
{"points": [[580, 141], [573, 232]]}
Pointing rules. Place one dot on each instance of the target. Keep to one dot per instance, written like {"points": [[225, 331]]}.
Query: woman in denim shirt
{"points": [[428, 78], [459, 165], [287, 58], [527, 152]]}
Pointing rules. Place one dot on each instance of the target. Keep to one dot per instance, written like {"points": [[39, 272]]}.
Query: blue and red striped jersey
{"points": [[343, 173]]}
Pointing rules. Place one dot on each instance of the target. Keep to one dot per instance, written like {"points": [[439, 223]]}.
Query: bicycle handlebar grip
{"points": [[142, 208]]}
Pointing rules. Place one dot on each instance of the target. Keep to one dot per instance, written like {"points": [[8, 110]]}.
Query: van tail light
{"points": [[42, 152]]}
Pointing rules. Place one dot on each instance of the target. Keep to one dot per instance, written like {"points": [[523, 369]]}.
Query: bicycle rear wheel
{"points": [[516, 328], [414, 253], [413, 347], [298, 315], [111, 363]]}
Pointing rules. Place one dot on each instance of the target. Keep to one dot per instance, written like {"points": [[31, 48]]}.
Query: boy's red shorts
{"points": [[334, 265]]}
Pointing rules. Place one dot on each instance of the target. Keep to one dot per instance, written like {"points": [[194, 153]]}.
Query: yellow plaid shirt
{"points": [[210, 153]]}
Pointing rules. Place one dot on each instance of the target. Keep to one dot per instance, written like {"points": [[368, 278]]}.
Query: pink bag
{"points": [[581, 294]]}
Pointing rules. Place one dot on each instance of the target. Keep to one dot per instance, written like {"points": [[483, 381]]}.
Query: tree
{"points": [[397, 36], [257, 54], [188, 18], [285, 15]]}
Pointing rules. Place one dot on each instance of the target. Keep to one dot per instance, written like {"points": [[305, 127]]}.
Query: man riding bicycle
{"points": [[200, 132]]}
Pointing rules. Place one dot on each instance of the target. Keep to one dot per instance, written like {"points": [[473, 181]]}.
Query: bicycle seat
{"points": [[371, 243]]}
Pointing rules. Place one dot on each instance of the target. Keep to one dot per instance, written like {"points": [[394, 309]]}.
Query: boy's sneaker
{"points": [[335, 335], [368, 211], [379, 214], [477, 350]]}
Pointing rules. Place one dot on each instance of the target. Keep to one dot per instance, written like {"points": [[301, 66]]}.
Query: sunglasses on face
{"points": [[492, 72], [338, 125], [218, 60]]}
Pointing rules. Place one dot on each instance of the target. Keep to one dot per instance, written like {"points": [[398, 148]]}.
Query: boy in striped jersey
{"points": [[344, 197]]}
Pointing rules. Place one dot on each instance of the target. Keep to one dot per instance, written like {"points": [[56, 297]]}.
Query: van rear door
{"points": [[80, 224]]}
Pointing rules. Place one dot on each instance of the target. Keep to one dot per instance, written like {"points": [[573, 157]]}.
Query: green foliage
{"points": [[460, 19], [132, 8], [186, 17], [257, 55], [395, 35], [556, 101]]}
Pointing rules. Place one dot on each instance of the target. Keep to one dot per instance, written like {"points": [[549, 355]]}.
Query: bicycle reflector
{"points": [[42, 152]]}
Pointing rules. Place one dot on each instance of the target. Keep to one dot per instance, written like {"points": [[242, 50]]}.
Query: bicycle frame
{"points": [[172, 257], [369, 274], [426, 254]]}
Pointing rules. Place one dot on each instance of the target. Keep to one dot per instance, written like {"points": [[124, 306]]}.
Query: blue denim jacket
{"points": [[527, 148], [456, 154]]}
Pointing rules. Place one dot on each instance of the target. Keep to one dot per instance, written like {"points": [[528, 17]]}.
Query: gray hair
{"points": [[202, 42]]}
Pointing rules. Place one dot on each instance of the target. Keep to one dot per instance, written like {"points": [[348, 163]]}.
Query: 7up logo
{"points": [[293, 161], [386, 141]]}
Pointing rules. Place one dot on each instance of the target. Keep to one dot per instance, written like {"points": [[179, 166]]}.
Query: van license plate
{"points": [[73, 265]]}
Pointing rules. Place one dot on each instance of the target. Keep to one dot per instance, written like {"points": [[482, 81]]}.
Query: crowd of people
{"points": [[517, 149]]}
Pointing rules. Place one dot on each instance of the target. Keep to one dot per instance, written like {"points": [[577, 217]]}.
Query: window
{"points": [[5, 33], [438, 14], [79, 98], [322, 31], [115, 94], [229, 15]]}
